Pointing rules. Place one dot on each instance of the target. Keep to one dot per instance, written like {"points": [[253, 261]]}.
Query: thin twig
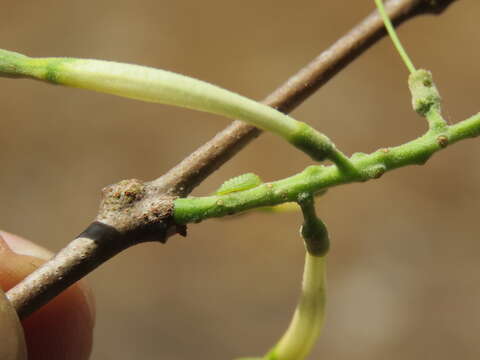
{"points": [[133, 212]]}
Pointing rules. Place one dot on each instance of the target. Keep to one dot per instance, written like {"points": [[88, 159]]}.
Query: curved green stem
{"points": [[307, 322], [426, 100], [160, 86], [394, 37], [317, 178], [309, 315]]}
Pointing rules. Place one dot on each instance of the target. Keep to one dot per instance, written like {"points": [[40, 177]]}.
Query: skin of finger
{"points": [[63, 328], [13, 345]]}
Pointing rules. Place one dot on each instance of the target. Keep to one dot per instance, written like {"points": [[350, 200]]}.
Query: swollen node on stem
{"points": [[313, 231], [426, 100], [425, 97]]}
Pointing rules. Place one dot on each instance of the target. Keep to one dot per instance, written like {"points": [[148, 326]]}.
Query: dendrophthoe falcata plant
{"points": [[133, 210]]}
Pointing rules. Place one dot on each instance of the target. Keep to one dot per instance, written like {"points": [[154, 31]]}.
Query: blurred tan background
{"points": [[404, 273]]}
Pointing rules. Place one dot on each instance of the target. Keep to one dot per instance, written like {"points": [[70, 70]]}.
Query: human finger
{"points": [[63, 328]]}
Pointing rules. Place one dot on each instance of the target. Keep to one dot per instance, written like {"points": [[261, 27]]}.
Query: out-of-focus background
{"points": [[403, 274]]}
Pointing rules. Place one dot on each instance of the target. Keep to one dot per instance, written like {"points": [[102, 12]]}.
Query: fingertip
{"points": [[60, 330], [12, 346], [22, 246]]}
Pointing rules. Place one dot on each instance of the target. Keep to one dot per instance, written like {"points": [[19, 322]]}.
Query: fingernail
{"points": [[25, 247]]}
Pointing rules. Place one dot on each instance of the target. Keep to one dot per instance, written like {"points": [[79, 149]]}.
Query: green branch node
{"points": [[313, 231], [426, 100], [425, 96], [320, 147]]}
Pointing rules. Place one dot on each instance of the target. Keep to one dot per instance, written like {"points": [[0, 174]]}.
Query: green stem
{"points": [[425, 97], [160, 86], [317, 178], [394, 37], [309, 316]]}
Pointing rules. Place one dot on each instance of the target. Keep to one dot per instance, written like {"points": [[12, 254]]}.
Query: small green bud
{"points": [[313, 231], [425, 95]]}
